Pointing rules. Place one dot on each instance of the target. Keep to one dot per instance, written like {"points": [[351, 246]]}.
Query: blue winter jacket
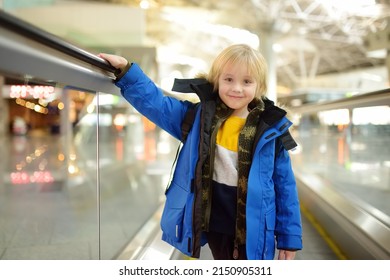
{"points": [[272, 210]]}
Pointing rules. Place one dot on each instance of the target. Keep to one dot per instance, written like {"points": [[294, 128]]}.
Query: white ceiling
{"points": [[313, 37]]}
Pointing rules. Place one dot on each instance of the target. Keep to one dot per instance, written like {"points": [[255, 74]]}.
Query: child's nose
{"points": [[237, 87]]}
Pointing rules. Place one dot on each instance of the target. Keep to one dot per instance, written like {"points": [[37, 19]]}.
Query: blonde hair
{"points": [[241, 54]]}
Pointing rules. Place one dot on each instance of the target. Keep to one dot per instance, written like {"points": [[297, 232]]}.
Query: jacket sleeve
{"points": [[148, 99], [288, 228]]}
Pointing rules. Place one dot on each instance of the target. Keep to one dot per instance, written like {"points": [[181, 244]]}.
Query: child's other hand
{"points": [[286, 255], [116, 61]]}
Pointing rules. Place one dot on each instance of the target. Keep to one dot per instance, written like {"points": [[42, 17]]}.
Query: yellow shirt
{"points": [[226, 156]]}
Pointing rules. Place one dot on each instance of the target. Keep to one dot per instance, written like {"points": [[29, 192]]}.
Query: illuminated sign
{"points": [[22, 177], [36, 92]]}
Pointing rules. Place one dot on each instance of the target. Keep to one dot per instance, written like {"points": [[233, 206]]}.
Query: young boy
{"points": [[233, 186]]}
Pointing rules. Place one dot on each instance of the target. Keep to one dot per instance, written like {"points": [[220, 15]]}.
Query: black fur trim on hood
{"points": [[200, 86], [272, 113], [185, 85]]}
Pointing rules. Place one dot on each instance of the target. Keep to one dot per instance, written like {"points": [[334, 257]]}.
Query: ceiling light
{"points": [[144, 4], [278, 48], [381, 53]]}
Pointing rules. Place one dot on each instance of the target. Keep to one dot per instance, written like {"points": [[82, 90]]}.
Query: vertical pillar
{"points": [[266, 48], [3, 131], [379, 41], [3, 110], [65, 125], [66, 131], [349, 129], [3, 123], [388, 67]]}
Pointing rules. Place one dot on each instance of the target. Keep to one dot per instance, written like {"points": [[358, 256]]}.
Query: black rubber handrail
{"points": [[39, 35]]}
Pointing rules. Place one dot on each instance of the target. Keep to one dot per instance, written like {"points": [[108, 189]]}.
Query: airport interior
{"points": [[83, 174]]}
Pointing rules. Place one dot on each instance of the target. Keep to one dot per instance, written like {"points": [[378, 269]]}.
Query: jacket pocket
{"points": [[173, 213], [269, 235], [172, 224]]}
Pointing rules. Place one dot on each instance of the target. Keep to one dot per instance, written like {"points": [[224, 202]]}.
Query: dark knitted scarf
{"points": [[245, 144]]}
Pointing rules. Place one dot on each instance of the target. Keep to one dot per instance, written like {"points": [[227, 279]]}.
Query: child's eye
{"points": [[248, 81], [228, 79]]}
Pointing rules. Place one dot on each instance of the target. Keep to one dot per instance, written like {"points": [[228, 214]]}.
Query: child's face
{"points": [[237, 88]]}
